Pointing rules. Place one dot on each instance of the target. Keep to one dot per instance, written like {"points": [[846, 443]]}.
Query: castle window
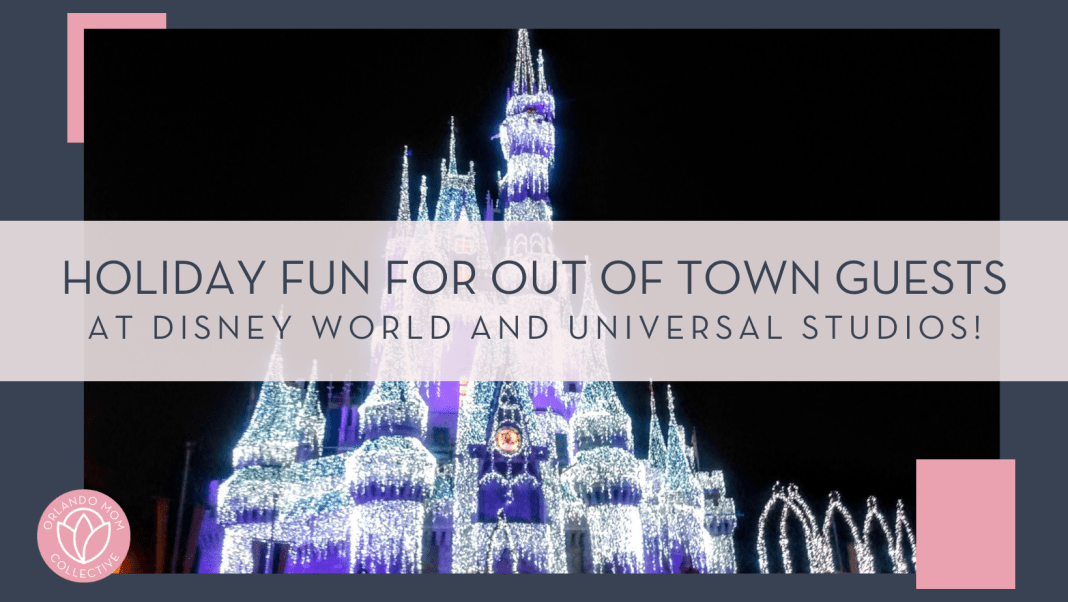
{"points": [[463, 245]]}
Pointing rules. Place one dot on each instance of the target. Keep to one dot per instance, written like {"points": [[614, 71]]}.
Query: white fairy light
{"points": [[860, 547], [456, 197], [818, 540], [873, 517], [902, 529], [405, 212], [423, 214], [609, 479]]}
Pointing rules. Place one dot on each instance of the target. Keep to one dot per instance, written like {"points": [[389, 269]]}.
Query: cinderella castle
{"points": [[476, 475]]}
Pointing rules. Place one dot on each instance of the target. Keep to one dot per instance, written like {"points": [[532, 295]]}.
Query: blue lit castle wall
{"points": [[477, 475]]}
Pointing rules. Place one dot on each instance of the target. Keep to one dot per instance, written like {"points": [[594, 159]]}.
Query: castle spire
{"points": [[287, 423], [405, 213], [423, 214], [672, 423], [542, 85], [274, 365], [452, 145], [524, 69], [657, 448], [671, 407], [679, 473], [597, 357]]}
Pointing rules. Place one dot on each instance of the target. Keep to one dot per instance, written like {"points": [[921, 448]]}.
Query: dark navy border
{"points": [[41, 178]]}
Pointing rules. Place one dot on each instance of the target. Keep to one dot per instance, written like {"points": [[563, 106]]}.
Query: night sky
{"points": [[651, 125]]}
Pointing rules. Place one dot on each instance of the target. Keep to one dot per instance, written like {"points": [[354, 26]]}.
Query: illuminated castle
{"points": [[475, 476]]}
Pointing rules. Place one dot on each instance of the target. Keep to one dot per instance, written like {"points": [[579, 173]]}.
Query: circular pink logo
{"points": [[83, 536]]}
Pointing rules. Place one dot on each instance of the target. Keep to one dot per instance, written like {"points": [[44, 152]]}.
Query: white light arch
{"points": [[818, 539], [864, 561]]}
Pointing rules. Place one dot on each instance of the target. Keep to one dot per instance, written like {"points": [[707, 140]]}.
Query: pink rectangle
{"points": [[966, 524], [77, 23]]}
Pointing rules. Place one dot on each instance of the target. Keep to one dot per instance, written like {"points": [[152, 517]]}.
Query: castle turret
{"points": [[683, 500], [608, 479], [390, 476], [654, 516], [528, 140], [287, 425], [679, 475], [286, 432]]}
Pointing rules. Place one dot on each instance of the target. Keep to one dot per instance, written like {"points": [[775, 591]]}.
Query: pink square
{"points": [[966, 524], [77, 23]]}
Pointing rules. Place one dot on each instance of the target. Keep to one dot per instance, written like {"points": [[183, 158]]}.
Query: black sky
{"points": [[714, 125]]}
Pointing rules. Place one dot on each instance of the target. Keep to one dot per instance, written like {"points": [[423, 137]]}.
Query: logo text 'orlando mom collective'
{"points": [[83, 535]]}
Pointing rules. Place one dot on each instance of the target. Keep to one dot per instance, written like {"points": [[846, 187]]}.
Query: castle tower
{"points": [[287, 425], [683, 501], [608, 479], [389, 477], [528, 140], [456, 199], [508, 517], [287, 429], [654, 519]]}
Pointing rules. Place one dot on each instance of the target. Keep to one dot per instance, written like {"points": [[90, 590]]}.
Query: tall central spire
{"points": [[524, 66], [528, 139]]}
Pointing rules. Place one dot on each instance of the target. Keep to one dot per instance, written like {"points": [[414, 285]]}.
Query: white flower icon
{"points": [[83, 542]]}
